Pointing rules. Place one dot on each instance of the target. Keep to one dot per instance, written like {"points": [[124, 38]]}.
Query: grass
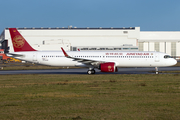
{"points": [[90, 97]]}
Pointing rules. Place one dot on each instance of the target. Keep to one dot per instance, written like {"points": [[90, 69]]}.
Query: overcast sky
{"points": [[149, 15]]}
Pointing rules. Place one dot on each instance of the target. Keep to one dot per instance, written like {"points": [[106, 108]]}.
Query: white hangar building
{"points": [[161, 41], [73, 39], [77, 38]]}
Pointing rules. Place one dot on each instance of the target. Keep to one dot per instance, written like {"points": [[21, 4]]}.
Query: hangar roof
{"points": [[75, 28]]}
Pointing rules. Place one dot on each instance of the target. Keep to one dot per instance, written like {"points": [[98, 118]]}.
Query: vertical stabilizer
{"points": [[18, 41]]}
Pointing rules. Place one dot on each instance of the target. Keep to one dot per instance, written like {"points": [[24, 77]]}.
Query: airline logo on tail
{"points": [[18, 41]]}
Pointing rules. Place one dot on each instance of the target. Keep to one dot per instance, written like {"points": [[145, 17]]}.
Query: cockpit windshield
{"points": [[167, 56]]}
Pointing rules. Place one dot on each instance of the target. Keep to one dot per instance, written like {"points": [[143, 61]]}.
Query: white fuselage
{"points": [[121, 59]]}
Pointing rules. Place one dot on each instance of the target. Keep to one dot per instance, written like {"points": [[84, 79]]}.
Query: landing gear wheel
{"points": [[91, 72]]}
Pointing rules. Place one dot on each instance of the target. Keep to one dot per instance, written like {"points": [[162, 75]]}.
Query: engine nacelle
{"points": [[108, 67]]}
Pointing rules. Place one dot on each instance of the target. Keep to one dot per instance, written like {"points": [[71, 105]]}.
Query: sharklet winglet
{"points": [[65, 54]]}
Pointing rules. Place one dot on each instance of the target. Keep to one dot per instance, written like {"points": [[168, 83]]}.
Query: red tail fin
{"points": [[18, 41]]}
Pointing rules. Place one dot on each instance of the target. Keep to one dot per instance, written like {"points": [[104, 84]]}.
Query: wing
{"points": [[82, 60]]}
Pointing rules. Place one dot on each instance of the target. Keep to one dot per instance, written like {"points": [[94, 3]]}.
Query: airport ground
{"points": [[88, 97]]}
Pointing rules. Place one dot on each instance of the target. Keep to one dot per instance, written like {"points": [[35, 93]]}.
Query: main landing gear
{"points": [[157, 72], [91, 71]]}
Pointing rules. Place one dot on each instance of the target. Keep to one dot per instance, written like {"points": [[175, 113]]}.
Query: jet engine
{"points": [[108, 67]]}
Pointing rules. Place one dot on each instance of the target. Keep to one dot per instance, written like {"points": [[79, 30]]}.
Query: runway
{"points": [[84, 71]]}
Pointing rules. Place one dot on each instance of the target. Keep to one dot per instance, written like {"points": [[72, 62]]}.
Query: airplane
{"points": [[105, 61]]}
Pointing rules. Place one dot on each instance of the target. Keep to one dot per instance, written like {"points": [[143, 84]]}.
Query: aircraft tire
{"points": [[93, 71], [89, 72]]}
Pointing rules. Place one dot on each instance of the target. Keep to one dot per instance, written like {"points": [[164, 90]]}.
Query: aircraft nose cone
{"points": [[171, 62], [174, 62]]}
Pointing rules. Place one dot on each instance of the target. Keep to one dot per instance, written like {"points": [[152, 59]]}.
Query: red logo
{"points": [[18, 41]]}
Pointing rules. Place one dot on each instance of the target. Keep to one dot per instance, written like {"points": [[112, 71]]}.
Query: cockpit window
{"points": [[167, 56]]}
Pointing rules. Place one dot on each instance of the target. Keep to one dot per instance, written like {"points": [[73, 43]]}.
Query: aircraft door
{"points": [[34, 57], [156, 57]]}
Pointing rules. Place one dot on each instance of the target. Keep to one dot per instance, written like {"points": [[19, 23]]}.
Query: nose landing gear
{"points": [[157, 72]]}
